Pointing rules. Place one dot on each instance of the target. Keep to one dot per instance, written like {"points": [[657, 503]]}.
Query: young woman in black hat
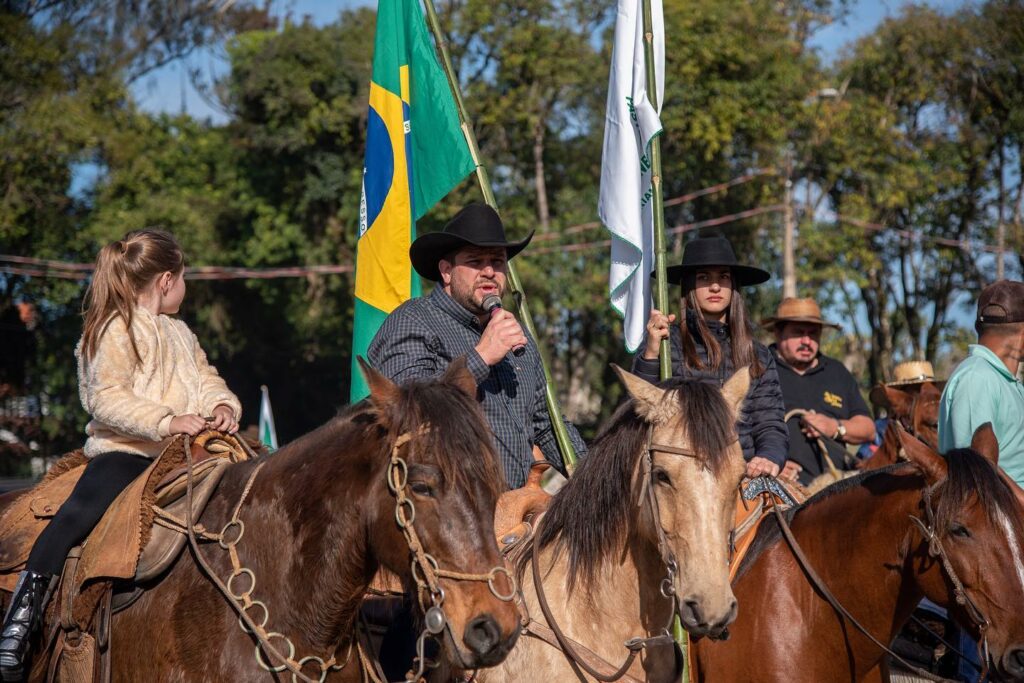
{"points": [[714, 338]]}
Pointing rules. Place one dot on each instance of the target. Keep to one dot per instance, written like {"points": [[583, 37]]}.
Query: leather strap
{"points": [[541, 632]]}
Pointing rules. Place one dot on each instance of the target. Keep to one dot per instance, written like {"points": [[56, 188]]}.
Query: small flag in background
{"points": [[625, 205], [268, 434], [416, 153]]}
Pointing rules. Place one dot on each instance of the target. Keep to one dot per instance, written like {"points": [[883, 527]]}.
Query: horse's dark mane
{"points": [[975, 477], [968, 475], [589, 517], [460, 444]]}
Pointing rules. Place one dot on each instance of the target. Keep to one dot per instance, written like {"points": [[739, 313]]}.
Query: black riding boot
{"points": [[24, 618]]}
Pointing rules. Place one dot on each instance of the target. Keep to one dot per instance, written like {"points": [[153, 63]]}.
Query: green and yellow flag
{"points": [[415, 155]]}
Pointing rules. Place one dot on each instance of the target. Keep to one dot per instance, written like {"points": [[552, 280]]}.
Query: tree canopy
{"points": [[905, 157]]}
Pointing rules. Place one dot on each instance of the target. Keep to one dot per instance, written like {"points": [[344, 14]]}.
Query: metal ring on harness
{"points": [[506, 597], [282, 667], [261, 624]]}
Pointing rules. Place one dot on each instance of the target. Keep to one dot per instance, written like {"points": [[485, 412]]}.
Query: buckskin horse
{"points": [[946, 528], [639, 533], [320, 516]]}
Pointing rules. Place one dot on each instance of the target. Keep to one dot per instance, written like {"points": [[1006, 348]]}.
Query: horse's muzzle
{"points": [[1013, 664], [484, 639], [699, 624]]}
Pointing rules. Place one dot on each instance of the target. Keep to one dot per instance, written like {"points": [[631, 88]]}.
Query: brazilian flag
{"points": [[416, 153]]}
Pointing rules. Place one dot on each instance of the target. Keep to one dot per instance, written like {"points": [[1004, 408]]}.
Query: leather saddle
{"points": [[140, 535], [755, 500]]}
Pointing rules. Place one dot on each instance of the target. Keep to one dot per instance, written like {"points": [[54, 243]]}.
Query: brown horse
{"points": [[861, 538], [320, 519], [662, 474], [916, 407]]}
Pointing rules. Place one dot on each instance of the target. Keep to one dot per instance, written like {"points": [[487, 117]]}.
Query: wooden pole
{"points": [[560, 431], [660, 267], [657, 199]]}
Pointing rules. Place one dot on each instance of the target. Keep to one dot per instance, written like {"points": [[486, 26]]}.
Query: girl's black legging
{"points": [[105, 476]]}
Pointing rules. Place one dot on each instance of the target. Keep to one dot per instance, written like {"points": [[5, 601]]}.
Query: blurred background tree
{"points": [[903, 154]]}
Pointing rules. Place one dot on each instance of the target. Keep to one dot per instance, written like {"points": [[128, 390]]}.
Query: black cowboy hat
{"points": [[476, 225], [704, 252]]}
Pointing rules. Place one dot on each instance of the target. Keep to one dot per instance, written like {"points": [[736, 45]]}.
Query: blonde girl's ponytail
{"points": [[124, 269]]}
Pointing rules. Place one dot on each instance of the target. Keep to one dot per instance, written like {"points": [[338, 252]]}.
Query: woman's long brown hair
{"points": [[743, 351], [123, 270]]}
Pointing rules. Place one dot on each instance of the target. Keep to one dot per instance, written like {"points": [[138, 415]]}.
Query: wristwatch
{"points": [[840, 434]]}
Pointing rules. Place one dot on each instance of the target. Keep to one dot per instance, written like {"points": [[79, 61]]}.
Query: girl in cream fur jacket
{"points": [[143, 378]]}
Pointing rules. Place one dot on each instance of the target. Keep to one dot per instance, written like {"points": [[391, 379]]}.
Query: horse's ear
{"points": [[984, 442], [898, 401], [458, 374], [931, 391], [383, 392], [735, 390], [646, 396], [924, 456]]}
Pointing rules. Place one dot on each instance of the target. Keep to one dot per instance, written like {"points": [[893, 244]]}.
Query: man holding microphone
{"points": [[463, 317]]}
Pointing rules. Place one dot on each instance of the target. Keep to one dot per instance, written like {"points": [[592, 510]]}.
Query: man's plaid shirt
{"points": [[422, 336]]}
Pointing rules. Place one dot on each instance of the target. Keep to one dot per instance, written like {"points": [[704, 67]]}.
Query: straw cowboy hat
{"points": [[909, 373], [476, 225], [705, 252], [793, 310]]}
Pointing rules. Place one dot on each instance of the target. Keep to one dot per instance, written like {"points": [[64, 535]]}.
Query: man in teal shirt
{"points": [[984, 388]]}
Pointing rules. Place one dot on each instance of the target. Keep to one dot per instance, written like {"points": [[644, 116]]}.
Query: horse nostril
{"points": [[1015, 659], [690, 613], [482, 634]]}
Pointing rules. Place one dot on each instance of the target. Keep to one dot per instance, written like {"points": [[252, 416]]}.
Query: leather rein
{"points": [[935, 550], [578, 655]]}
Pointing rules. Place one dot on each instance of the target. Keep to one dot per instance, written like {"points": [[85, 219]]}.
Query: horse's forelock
{"points": [[970, 476], [589, 517], [450, 432]]}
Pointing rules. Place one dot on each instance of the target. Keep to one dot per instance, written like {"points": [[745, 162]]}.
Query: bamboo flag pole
{"points": [[561, 433], [660, 267]]}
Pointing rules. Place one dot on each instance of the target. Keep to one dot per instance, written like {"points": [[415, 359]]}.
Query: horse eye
{"points": [[661, 476], [960, 531], [421, 489]]}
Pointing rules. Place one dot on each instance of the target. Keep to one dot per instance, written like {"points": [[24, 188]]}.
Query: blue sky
{"points": [[169, 90]]}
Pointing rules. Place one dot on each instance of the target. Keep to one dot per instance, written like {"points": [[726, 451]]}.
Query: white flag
{"points": [[268, 434], [625, 205]]}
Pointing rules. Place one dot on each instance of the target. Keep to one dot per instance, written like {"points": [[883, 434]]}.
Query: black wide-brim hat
{"points": [[705, 252], [477, 225]]}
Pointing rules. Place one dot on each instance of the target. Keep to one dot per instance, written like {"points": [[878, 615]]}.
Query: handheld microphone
{"points": [[492, 303]]}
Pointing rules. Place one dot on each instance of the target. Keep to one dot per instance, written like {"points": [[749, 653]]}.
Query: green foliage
{"points": [[928, 115]]}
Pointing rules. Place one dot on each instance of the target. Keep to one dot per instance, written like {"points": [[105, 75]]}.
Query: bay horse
{"points": [[639, 533], [946, 528], [917, 409], [320, 519]]}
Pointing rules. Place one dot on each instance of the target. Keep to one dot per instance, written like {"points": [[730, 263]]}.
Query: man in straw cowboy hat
{"points": [[984, 387], [420, 338], [822, 397]]}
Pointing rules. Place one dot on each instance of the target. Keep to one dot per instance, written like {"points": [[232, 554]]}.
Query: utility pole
{"points": [[1001, 228], [789, 234]]}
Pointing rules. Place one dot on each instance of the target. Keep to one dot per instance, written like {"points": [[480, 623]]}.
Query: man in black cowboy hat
{"points": [[423, 336]]}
